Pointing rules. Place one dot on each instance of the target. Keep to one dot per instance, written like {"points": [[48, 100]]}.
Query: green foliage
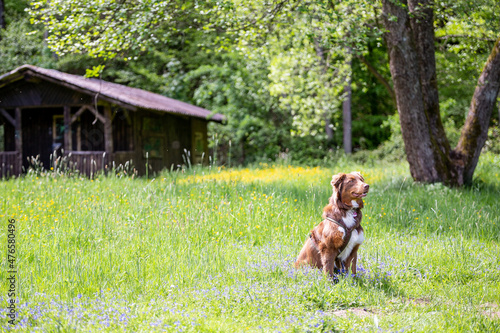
{"points": [[18, 46], [255, 127], [371, 103], [304, 83], [393, 149], [102, 29], [95, 71], [493, 142], [14, 10]]}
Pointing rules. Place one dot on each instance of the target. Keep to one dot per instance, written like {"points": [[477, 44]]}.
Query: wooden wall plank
{"points": [[67, 129], [19, 140], [199, 143], [108, 131]]}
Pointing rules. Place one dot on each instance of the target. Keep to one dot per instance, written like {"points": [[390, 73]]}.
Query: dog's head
{"points": [[349, 187]]}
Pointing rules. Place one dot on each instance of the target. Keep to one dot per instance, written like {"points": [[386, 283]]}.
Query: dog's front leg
{"points": [[338, 266], [328, 260], [352, 260]]}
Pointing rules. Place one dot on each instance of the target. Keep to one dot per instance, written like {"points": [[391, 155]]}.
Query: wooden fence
{"points": [[9, 164]]}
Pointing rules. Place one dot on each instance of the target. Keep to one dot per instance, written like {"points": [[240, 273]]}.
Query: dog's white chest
{"points": [[349, 219], [356, 239]]}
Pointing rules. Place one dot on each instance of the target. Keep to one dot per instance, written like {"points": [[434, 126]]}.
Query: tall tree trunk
{"points": [[405, 71], [421, 20], [320, 52], [328, 126], [346, 107], [475, 131], [3, 25], [422, 25]]}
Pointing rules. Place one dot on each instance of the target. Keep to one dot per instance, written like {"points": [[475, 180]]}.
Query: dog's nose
{"points": [[366, 187]]}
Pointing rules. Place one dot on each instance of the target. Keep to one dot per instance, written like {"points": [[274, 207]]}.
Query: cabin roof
{"points": [[132, 98]]}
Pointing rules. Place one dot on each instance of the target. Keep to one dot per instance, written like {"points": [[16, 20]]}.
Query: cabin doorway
{"points": [[43, 133]]}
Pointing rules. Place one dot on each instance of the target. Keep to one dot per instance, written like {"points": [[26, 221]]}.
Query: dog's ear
{"points": [[357, 173], [337, 180]]}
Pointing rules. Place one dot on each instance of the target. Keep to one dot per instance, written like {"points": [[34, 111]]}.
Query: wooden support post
{"points": [[199, 143], [79, 136], [67, 130], [19, 141], [108, 132]]}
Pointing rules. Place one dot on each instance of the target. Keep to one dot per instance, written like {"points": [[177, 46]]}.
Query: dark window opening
{"points": [[123, 131], [2, 138], [7, 134], [57, 132], [87, 133]]}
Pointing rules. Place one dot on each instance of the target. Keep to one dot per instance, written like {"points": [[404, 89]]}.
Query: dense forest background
{"points": [[282, 87]]}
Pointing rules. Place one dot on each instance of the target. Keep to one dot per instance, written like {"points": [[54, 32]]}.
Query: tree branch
{"points": [[379, 77], [475, 131], [465, 36]]}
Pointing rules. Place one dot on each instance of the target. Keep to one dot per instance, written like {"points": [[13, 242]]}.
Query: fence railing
{"points": [[9, 164]]}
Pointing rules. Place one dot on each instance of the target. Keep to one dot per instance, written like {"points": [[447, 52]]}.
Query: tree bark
{"points": [[422, 24], [405, 71], [475, 131], [3, 25], [320, 52], [346, 108]]}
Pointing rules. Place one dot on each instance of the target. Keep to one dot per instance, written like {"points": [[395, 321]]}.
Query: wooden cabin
{"points": [[93, 123]]}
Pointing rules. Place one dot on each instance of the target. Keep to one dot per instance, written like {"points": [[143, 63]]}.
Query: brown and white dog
{"points": [[334, 242]]}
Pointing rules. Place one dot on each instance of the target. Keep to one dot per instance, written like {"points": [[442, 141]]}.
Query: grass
{"points": [[212, 251]]}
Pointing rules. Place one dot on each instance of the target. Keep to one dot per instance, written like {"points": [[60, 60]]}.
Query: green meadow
{"points": [[212, 250]]}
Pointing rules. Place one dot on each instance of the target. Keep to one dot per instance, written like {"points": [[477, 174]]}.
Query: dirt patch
{"points": [[494, 315], [359, 312], [491, 310], [422, 301]]}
